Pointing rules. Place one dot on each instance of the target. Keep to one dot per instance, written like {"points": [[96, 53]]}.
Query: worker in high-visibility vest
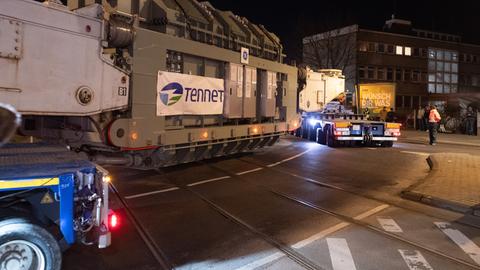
{"points": [[433, 121]]}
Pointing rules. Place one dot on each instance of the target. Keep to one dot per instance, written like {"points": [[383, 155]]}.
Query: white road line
{"points": [[389, 225], [414, 259], [287, 159], [371, 211], [263, 261], [249, 171], [371, 148], [151, 193], [416, 153], [467, 245], [207, 181], [313, 238], [321, 235], [340, 254]]}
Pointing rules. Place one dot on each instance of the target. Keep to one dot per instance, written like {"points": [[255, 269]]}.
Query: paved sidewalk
{"points": [[453, 183], [414, 136]]}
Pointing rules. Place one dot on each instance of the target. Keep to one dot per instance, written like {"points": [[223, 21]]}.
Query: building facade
{"points": [[426, 67]]}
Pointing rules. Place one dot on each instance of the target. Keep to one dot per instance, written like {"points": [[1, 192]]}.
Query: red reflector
{"points": [[338, 133], [112, 221]]}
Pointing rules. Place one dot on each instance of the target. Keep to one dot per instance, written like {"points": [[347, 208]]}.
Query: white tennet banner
{"points": [[180, 94]]}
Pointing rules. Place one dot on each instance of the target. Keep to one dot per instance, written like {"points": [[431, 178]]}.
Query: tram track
{"points": [[349, 219]]}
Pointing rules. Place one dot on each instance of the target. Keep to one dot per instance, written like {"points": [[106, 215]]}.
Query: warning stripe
{"points": [[26, 183]]}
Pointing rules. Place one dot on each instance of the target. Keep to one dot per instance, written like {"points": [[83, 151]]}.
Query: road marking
{"points": [[371, 211], [207, 181], [320, 235], [340, 254], [371, 148], [416, 153], [467, 245], [287, 159], [263, 261], [151, 193], [414, 260], [389, 225], [313, 238], [249, 171]]}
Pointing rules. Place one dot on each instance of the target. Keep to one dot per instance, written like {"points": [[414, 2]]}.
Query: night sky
{"points": [[291, 22]]}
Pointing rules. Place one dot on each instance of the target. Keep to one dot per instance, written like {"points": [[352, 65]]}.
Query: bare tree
{"points": [[334, 49]]}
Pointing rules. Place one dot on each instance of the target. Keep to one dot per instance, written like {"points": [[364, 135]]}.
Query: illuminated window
{"points": [[399, 50], [408, 51]]}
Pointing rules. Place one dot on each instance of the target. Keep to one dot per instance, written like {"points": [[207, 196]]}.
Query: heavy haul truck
{"points": [[149, 83], [143, 84], [326, 121], [50, 198]]}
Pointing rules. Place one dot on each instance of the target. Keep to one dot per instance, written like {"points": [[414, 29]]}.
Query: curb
{"points": [[435, 201]]}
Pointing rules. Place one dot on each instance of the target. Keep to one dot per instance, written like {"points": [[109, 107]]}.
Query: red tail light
{"points": [[113, 221]]}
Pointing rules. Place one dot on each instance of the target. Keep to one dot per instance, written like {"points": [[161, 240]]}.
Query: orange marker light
{"points": [[255, 130], [205, 135], [134, 136]]}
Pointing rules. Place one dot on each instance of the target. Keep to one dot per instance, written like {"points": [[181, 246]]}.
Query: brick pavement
{"points": [[453, 183]]}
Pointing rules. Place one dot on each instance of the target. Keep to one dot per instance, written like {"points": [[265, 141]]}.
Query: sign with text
{"points": [[183, 94], [375, 96]]}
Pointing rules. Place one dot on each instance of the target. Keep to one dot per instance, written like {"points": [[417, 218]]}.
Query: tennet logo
{"points": [[171, 93]]}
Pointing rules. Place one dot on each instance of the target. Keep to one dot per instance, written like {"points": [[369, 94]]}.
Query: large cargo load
{"points": [[145, 83]]}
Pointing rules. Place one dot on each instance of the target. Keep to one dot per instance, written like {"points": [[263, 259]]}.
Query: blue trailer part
{"points": [[55, 187]]}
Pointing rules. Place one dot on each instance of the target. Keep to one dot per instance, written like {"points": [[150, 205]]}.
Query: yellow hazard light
{"points": [[342, 124], [394, 125], [134, 136], [204, 135], [255, 130]]}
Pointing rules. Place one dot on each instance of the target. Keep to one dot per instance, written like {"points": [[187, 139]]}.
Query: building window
{"points": [[416, 76], [416, 52], [390, 48], [380, 47], [389, 74], [380, 74], [361, 72], [408, 51], [398, 74], [370, 73], [371, 47], [407, 74], [442, 71], [398, 50], [362, 46]]}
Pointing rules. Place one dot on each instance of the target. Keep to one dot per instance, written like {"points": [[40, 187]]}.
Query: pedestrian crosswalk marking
{"points": [[467, 245], [389, 225], [340, 254], [414, 260]]}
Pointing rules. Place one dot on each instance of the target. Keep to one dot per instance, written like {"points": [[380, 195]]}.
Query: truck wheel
{"points": [[387, 144], [321, 136], [27, 246], [331, 142], [312, 133]]}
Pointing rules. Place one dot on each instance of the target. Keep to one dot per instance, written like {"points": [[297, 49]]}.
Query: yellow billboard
{"points": [[375, 96]]}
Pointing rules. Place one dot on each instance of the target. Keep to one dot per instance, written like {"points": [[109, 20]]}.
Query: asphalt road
{"points": [[297, 205]]}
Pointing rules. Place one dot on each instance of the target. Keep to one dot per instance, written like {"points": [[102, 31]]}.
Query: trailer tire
{"points": [[331, 142], [321, 136], [32, 241]]}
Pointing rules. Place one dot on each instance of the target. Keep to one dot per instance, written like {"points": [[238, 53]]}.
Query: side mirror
{"points": [[10, 119]]}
